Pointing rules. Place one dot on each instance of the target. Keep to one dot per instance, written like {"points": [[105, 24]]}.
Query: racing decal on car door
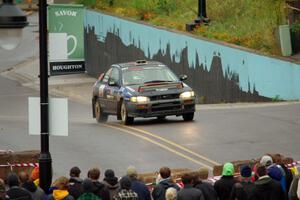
{"points": [[101, 90]]}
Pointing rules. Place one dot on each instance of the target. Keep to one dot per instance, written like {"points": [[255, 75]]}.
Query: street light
{"points": [[45, 161], [12, 20]]}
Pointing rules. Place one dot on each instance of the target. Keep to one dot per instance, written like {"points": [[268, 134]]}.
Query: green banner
{"points": [[66, 32]]}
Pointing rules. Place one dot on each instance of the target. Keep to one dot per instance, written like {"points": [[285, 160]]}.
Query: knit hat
{"points": [[228, 169], [275, 173], [131, 171], [246, 171], [109, 173], [12, 179], [266, 160], [88, 185], [125, 183]]}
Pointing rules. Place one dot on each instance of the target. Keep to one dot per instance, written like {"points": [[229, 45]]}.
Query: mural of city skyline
{"points": [[211, 84]]}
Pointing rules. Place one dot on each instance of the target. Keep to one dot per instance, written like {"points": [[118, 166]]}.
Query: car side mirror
{"points": [[183, 77], [113, 83]]}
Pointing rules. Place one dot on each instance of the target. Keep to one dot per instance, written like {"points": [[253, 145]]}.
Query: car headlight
{"points": [[187, 95], [139, 99]]}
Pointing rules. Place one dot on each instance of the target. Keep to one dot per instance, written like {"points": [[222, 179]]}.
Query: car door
{"points": [[101, 91], [112, 90]]}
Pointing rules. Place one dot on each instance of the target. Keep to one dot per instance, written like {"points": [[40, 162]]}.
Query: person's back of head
{"points": [[266, 160], [187, 178], [75, 172], [228, 169], [125, 183], [165, 172], [261, 171], [94, 173], [131, 172], [62, 183], [245, 171], [12, 179], [23, 177], [171, 193]]}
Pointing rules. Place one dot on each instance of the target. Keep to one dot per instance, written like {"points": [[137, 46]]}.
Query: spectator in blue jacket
{"points": [[137, 186]]}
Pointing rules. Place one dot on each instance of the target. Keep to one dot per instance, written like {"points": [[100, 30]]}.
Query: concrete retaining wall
{"points": [[217, 72]]}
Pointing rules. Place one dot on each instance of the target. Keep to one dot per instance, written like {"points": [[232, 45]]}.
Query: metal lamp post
{"points": [[45, 161], [201, 17], [12, 20]]}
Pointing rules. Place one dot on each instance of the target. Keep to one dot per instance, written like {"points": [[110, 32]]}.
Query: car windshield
{"points": [[147, 74]]}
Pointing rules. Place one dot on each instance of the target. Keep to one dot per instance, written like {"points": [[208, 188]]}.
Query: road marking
{"points": [[159, 144], [172, 143]]}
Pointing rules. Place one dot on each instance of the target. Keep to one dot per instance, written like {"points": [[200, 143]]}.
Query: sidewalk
{"points": [[78, 87]]}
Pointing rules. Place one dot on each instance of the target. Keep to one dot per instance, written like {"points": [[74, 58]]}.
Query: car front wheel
{"points": [[124, 115], [188, 116], [100, 115]]}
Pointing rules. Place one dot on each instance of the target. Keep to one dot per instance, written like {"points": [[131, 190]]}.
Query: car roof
{"points": [[139, 63]]}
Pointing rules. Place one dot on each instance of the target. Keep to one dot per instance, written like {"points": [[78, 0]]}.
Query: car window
{"points": [[115, 74], [106, 76], [140, 75]]}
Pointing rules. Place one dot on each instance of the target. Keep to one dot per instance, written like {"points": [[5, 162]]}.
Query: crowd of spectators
{"points": [[265, 180]]}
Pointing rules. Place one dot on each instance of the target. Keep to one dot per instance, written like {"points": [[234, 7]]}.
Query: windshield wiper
{"points": [[157, 81]]}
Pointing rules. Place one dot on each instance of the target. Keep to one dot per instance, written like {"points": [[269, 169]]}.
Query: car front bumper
{"points": [[161, 108]]}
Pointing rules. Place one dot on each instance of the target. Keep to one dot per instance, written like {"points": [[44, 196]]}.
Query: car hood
{"points": [[148, 89]]}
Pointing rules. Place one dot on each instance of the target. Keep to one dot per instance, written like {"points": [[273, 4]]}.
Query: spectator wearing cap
{"points": [[137, 186], [87, 193], [75, 182], [164, 183], [188, 192], [275, 171], [224, 186], [111, 182], [100, 188], [3, 195], [206, 188], [15, 192], [265, 187], [126, 193], [36, 192], [61, 192], [242, 189]]}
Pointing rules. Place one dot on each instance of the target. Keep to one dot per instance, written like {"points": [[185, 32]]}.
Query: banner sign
{"points": [[71, 67], [66, 38]]}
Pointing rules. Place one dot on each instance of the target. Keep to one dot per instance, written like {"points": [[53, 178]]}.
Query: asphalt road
{"points": [[217, 135]]}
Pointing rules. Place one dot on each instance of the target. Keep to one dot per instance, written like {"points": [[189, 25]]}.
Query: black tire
{"points": [[101, 117], [188, 116], [124, 115]]}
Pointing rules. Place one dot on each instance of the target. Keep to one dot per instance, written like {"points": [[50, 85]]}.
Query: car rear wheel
{"points": [[100, 115], [124, 115], [188, 116]]}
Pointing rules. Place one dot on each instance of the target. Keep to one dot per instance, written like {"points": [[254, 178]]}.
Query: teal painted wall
{"points": [[269, 76]]}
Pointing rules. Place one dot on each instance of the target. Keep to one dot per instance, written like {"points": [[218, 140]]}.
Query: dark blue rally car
{"points": [[141, 89]]}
